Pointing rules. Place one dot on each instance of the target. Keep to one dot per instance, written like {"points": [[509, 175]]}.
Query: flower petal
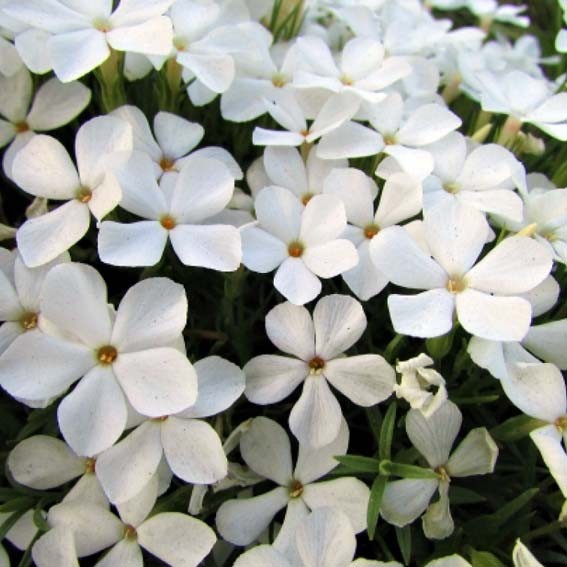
{"points": [[548, 440], [475, 454], [323, 219], [331, 258], [437, 521], [261, 252], [126, 553], [279, 212], [176, 135], [296, 282], [290, 328], [405, 500]]}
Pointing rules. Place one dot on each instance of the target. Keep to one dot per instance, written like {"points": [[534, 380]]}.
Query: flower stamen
{"points": [[84, 195], [316, 365], [168, 222], [106, 354], [371, 230], [295, 489], [295, 249], [456, 285], [28, 321]]}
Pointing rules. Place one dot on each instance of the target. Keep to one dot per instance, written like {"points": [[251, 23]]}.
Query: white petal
{"points": [[313, 464], [271, 378], [417, 163], [261, 252], [50, 15], [398, 256], [9, 332], [263, 137], [56, 547], [126, 553], [176, 538], [241, 521], [157, 382], [87, 489], [74, 298], [456, 235], [548, 440], [547, 341], [15, 95], [323, 219], [260, 556], [143, 137], [32, 48], [348, 494], [220, 384], [43, 462], [365, 280], [400, 199], [137, 509], [151, 37], [331, 258], [106, 197], [366, 379], [536, 389], [405, 500], [74, 54], [339, 322], [427, 124], [296, 512], [296, 282], [516, 265], [152, 313], [434, 436], [492, 317], [95, 141], [350, 140], [475, 454], [56, 104], [176, 135], [43, 168], [134, 244], [437, 521], [500, 202], [427, 314], [37, 366], [218, 153], [326, 538], [214, 70], [279, 212], [290, 328], [488, 355], [315, 419], [193, 450], [93, 416], [125, 468], [521, 555], [94, 527], [42, 239], [217, 247], [203, 188], [285, 168], [338, 109]]}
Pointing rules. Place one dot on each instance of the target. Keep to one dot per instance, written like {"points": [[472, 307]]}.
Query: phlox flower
{"points": [[177, 211], [83, 33], [538, 390], [124, 359], [318, 344], [172, 143], [483, 296], [190, 447], [43, 168], [54, 104], [407, 499], [302, 242], [266, 449]]}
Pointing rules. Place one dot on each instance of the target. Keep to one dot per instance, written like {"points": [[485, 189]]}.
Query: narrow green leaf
{"points": [[39, 520], [374, 418], [406, 471], [485, 559], [359, 463], [9, 522], [387, 432], [515, 428], [403, 535], [374, 503], [459, 495], [22, 502], [513, 507]]}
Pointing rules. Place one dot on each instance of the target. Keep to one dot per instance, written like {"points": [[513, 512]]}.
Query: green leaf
{"points": [[406, 471], [485, 559], [22, 502], [459, 495], [9, 522], [359, 463], [374, 502], [387, 432], [374, 421], [516, 428], [439, 347], [403, 535], [39, 520], [512, 508]]}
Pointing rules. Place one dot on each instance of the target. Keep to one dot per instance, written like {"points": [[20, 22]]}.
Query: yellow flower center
{"points": [[561, 423], [456, 285], [90, 465], [84, 195], [167, 164], [130, 532], [21, 127], [28, 321], [278, 80], [443, 474], [168, 222], [306, 197], [295, 249], [371, 231], [106, 354], [316, 365], [102, 25], [451, 188], [295, 489]]}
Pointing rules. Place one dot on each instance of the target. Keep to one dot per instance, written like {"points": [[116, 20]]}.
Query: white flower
{"points": [[126, 359], [363, 70], [416, 380], [190, 446], [265, 448], [407, 499], [179, 211], [84, 34], [483, 177], [285, 109], [539, 391], [54, 105], [526, 99], [400, 199], [170, 146], [303, 243], [484, 296], [318, 344], [43, 168], [20, 289]]}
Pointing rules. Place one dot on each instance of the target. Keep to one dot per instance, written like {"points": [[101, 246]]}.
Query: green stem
{"points": [[111, 80]]}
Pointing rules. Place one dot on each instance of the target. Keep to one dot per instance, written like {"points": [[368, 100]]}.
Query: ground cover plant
{"points": [[283, 282]]}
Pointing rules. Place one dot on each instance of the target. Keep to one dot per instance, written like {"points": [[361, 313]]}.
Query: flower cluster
{"points": [[325, 272]]}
